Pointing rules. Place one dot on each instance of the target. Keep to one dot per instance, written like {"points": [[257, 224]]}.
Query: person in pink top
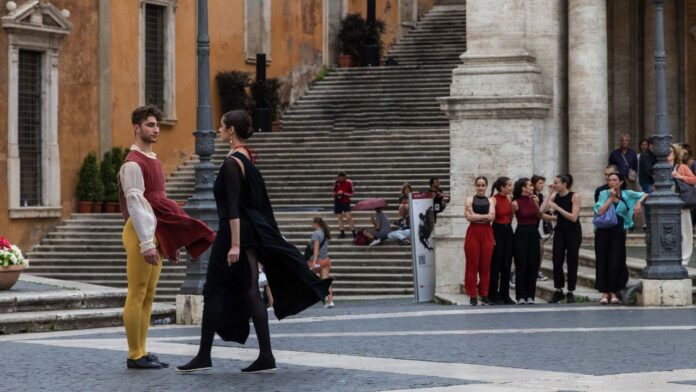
{"points": [[677, 157]]}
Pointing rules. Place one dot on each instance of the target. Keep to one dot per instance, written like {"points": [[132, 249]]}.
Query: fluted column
{"points": [[587, 95]]}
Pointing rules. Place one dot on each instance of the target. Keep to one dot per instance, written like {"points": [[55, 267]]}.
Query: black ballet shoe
{"points": [[195, 365], [153, 358], [261, 365], [142, 363]]}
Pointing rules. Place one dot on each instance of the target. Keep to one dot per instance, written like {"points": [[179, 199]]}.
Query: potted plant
{"points": [[89, 187], [108, 176], [118, 155], [350, 38], [232, 87], [12, 263], [266, 95]]}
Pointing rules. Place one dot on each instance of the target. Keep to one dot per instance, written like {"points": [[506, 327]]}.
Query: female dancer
{"points": [[610, 243], [526, 208], [320, 262], [567, 235], [478, 246], [501, 262], [248, 232]]}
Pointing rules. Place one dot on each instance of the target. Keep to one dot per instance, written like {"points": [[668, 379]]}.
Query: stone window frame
{"points": [[249, 57], [169, 109], [38, 27]]}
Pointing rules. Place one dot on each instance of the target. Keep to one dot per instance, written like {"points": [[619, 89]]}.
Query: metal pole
{"points": [[663, 238], [201, 204]]}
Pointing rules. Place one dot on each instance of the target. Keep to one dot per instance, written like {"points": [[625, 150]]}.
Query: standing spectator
{"points": [[567, 235], [626, 160], [646, 161], [342, 191], [478, 246], [539, 182], [440, 198], [380, 229], [320, 262], [525, 205], [501, 261], [610, 169], [681, 172], [610, 243]]}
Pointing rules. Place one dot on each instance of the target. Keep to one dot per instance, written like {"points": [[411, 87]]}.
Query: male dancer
{"points": [[155, 227]]}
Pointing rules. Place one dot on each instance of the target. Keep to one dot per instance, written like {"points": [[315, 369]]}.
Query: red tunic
{"points": [[175, 229]]}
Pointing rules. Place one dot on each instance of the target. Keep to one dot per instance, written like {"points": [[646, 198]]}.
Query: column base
{"points": [[189, 309], [449, 250], [672, 292]]}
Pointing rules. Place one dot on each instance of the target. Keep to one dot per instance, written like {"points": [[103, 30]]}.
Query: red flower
{"points": [[4, 243]]}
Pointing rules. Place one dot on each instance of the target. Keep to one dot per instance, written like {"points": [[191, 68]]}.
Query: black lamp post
{"points": [[663, 238], [201, 204], [370, 52]]}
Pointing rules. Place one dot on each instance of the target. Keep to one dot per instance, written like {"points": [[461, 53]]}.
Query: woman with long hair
{"points": [[567, 236], [610, 242], [678, 158], [319, 262], [501, 261], [525, 205], [248, 232], [478, 246]]}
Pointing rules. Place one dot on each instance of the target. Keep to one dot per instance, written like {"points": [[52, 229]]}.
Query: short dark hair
{"points": [[432, 180], [537, 178], [566, 179], [341, 174], [141, 114]]}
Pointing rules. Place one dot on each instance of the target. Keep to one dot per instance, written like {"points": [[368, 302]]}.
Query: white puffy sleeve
{"points": [[140, 211]]}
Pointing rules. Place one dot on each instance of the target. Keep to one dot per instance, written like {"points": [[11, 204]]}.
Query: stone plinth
{"points": [[189, 309], [673, 292], [449, 250]]}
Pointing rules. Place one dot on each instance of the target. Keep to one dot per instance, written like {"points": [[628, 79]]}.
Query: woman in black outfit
{"points": [[525, 205], [567, 235], [248, 232]]}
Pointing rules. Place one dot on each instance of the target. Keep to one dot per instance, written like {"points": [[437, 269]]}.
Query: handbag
{"points": [[309, 250], [632, 175], [547, 227], [606, 220], [687, 193]]}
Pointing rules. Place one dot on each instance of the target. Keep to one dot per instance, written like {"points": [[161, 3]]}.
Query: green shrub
{"points": [[272, 94], [355, 33], [90, 186], [108, 176], [118, 154], [232, 90]]}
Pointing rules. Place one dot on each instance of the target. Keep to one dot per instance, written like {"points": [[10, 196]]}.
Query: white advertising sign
{"points": [[422, 219]]}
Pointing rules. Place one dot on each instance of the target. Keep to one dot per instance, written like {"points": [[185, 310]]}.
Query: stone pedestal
{"points": [[449, 250], [189, 309], [673, 292]]}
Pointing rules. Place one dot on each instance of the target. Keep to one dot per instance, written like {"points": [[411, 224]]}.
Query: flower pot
{"points": [[9, 276], [345, 61], [84, 206], [111, 207], [97, 206]]}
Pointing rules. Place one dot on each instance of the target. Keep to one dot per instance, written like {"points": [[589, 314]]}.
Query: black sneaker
{"points": [[195, 365], [486, 301], [354, 234], [508, 301], [261, 365], [142, 363], [570, 297], [557, 297], [473, 301], [153, 358], [343, 234]]}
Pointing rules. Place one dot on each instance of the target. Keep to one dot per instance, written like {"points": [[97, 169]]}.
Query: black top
{"points": [[243, 195], [481, 205], [566, 203], [645, 163]]}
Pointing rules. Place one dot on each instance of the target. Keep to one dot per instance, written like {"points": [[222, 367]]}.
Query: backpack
{"points": [[360, 239]]}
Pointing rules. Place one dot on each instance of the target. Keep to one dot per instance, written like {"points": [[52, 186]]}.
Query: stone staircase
{"points": [[381, 125]]}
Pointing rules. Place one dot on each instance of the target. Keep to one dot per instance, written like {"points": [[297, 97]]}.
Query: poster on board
{"points": [[422, 219]]}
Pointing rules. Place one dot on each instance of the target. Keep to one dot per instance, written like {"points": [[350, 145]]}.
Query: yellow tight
{"points": [[142, 282]]}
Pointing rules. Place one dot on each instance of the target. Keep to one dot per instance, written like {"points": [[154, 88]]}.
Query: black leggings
{"points": [[499, 288], [566, 245], [526, 260], [259, 315]]}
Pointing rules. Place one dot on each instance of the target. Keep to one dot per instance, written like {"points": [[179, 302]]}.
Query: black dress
{"points": [[294, 286]]}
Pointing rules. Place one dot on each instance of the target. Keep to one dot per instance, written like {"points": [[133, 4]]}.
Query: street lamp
{"points": [[201, 204], [663, 238]]}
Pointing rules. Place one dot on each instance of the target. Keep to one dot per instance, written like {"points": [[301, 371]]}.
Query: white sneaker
{"points": [[376, 241], [521, 301], [329, 305], [530, 301]]}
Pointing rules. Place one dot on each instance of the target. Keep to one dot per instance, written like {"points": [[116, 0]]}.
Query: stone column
{"points": [[497, 102], [587, 97]]}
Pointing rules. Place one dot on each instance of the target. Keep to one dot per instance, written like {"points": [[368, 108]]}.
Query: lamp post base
{"points": [[189, 309], [668, 292]]}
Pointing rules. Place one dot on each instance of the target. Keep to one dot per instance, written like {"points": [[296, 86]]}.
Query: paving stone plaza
{"points": [[389, 345]]}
